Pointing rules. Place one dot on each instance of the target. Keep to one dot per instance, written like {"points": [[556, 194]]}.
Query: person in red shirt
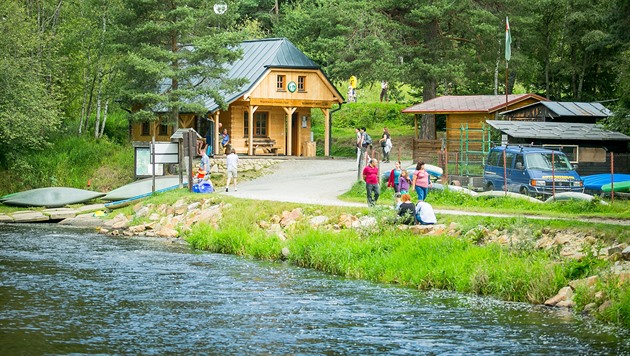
{"points": [[370, 176]]}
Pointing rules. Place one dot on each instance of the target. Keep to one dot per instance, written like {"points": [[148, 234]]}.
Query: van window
{"points": [[520, 162], [495, 158], [542, 161]]}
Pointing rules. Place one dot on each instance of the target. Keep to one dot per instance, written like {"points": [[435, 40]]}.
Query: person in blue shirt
{"points": [[225, 140]]}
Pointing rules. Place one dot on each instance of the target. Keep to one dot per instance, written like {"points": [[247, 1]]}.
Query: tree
{"points": [[28, 105], [173, 56]]}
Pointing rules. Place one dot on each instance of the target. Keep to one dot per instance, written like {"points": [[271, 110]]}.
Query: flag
{"points": [[508, 41]]}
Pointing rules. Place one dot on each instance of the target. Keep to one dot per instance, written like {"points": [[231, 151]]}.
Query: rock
{"points": [[144, 211], [588, 308], [83, 220], [155, 217], [5, 218], [318, 220], [60, 213], [565, 293], [626, 253], [167, 232], [605, 305], [289, 218], [562, 239], [585, 282], [545, 243], [566, 304], [364, 222], [137, 228], [28, 216], [624, 277], [285, 252]]}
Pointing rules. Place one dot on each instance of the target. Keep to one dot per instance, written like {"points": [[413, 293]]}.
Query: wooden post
{"points": [[504, 173], [612, 178], [553, 176], [326, 131]]}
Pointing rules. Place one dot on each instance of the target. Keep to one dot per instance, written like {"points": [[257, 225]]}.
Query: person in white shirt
{"points": [[232, 169], [425, 214]]}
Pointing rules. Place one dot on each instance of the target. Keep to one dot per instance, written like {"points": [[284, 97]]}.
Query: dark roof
{"points": [[556, 130], [467, 103], [570, 108], [258, 56]]}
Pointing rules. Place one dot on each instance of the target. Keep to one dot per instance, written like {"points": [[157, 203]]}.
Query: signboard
{"points": [[166, 152], [292, 102], [292, 87], [144, 168]]}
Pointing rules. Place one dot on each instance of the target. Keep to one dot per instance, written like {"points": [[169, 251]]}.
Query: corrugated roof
{"points": [[570, 108], [556, 130], [467, 103], [258, 56]]}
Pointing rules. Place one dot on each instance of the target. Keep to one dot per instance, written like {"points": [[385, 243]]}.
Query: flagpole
{"points": [[506, 85], [508, 55]]}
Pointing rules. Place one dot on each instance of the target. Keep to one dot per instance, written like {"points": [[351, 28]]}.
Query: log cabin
{"points": [[271, 112]]}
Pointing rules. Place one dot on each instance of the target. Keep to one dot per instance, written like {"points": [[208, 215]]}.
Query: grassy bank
{"points": [[386, 254]]}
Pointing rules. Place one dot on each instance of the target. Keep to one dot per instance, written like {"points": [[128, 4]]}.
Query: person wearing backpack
{"points": [[367, 142]]}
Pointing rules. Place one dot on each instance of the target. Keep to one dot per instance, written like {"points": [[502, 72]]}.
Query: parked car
{"points": [[529, 171]]}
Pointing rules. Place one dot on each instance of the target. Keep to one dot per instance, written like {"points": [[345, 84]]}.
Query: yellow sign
{"points": [[560, 178], [291, 102]]}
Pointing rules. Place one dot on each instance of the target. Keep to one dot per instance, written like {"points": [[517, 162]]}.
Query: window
{"points": [[495, 158], [163, 130], [146, 129], [570, 150], [301, 83], [281, 82], [520, 162], [260, 124]]}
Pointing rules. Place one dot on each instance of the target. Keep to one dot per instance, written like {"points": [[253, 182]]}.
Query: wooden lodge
{"points": [[271, 112]]}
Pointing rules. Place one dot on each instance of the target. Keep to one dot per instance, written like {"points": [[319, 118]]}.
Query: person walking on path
{"points": [[366, 144], [370, 176], [232, 169], [394, 177], [421, 181], [359, 144], [384, 87], [386, 144]]}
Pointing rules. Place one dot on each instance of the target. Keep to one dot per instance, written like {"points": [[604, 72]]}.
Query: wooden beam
{"points": [[215, 144], [326, 131], [250, 129], [289, 111]]}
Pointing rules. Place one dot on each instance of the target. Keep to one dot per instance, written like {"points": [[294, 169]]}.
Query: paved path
{"points": [[321, 181]]}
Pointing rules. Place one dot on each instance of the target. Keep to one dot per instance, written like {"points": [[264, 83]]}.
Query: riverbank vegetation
{"points": [[455, 258]]}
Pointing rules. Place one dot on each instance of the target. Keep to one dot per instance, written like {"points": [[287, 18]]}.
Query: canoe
{"points": [[433, 170], [621, 187], [565, 196], [596, 182], [51, 197], [141, 187], [124, 202], [501, 193]]}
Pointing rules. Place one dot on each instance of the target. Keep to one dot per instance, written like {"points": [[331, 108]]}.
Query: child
{"points": [[404, 182], [406, 210]]}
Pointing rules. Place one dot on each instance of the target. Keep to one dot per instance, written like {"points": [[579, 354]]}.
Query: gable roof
{"points": [[468, 103], [570, 109], [258, 57], [556, 130]]}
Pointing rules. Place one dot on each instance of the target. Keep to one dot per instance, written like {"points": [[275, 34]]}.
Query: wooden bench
{"points": [[264, 143]]}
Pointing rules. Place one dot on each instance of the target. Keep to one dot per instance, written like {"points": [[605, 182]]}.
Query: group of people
{"points": [[399, 180], [231, 162], [364, 143]]}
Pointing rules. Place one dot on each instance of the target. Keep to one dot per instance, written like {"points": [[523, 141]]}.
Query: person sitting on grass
{"points": [[425, 214], [406, 210]]}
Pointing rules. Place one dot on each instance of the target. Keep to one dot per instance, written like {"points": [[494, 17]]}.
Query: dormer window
{"points": [[281, 82]]}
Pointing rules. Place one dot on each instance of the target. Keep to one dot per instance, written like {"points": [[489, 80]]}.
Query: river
{"points": [[69, 291]]}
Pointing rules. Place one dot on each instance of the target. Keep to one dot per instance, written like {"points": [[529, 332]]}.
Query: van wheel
{"points": [[488, 187], [524, 191]]}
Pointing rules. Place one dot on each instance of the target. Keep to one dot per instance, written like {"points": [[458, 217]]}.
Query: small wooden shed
{"points": [[469, 112], [272, 111]]}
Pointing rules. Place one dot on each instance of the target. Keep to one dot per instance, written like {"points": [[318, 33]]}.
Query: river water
{"points": [[68, 291]]}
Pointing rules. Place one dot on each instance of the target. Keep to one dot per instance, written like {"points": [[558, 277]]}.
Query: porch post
{"points": [[289, 111], [326, 131], [250, 129], [215, 144]]}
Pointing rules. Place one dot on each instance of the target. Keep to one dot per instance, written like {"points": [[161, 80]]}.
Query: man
{"points": [[425, 214], [370, 176], [366, 143], [232, 169], [359, 138], [225, 139], [205, 161], [386, 144], [384, 87]]}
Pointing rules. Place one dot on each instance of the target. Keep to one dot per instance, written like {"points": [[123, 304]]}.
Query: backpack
{"points": [[367, 139]]}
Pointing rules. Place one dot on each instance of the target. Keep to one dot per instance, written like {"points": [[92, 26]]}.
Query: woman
{"points": [[421, 181], [406, 210], [394, 176]]}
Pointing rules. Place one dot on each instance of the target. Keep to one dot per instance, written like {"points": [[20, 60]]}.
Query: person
{"points": [[404, 182], [421, 181], [205, 161], [384, 87], [425, 214], [366, 144], [370, 176], [359, 143], [225, 139], [406, 210], [201, 173], [386, 144], [394, 176], [351, 95], [232, 169]]}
